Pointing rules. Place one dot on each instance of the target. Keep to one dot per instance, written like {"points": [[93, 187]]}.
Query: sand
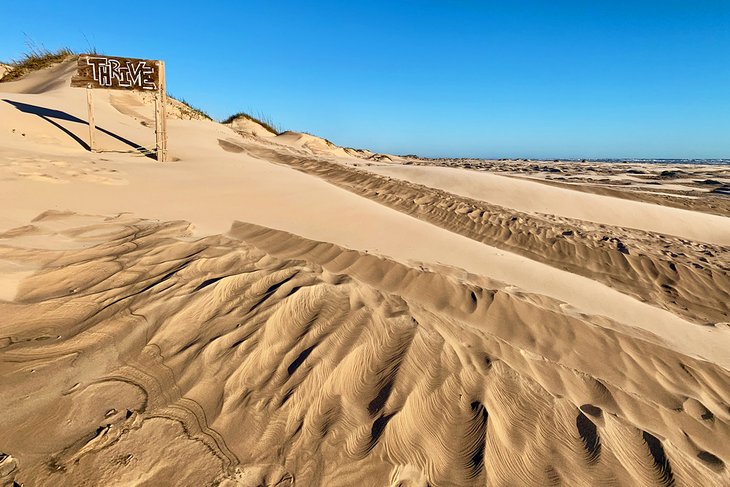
{"points": [[277, 310], [530, 196]]}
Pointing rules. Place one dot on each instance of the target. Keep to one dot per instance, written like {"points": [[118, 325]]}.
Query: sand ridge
{"points": [[693, 282], [524, 196], [697, 187], [258, 355]]}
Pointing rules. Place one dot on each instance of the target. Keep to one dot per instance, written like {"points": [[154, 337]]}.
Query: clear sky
{"points": [[588, 78]]}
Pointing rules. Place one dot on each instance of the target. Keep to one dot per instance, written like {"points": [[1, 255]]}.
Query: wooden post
{"points": [[92, 124], [161, 115], [118, 73], [158, 130]]}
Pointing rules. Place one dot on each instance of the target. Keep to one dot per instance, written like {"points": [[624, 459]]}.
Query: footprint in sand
{"points": [[59, 171]]}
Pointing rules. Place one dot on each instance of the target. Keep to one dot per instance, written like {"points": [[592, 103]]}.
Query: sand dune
{"points": [[636, 262], [368, 324], [530, 196], [263, 357], [696, 187]]}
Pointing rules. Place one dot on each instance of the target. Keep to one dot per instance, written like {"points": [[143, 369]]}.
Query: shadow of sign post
{"points": [[119, 73]]}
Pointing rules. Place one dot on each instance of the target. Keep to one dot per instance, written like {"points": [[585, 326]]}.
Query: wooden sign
{"points": [[117, 73], [120, 73]]}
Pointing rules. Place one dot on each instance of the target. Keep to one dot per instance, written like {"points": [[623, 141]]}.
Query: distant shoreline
{"points": [[714, 162]]}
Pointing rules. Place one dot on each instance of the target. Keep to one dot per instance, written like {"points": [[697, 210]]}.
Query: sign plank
{"points": [[117, 73], [122, 73]]}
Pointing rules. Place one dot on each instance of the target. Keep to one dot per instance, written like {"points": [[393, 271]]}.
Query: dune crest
{"points": [[637, 262]]}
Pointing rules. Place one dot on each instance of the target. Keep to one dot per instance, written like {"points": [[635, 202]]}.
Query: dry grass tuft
{"points": [[36, 58], [262, 120], [190, 110]]}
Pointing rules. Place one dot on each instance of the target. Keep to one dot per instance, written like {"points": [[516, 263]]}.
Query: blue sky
{"points": [[436, 78]]}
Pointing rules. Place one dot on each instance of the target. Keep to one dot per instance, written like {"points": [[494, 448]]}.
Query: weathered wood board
{"points": [[117, 73]]}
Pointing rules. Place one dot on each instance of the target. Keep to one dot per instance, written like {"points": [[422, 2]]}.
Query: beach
{"points": [[274, 309]]}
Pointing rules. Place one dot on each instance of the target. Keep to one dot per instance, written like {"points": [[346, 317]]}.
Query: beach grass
{"points": [[262, 120], [36, 58], [194, 112]]}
